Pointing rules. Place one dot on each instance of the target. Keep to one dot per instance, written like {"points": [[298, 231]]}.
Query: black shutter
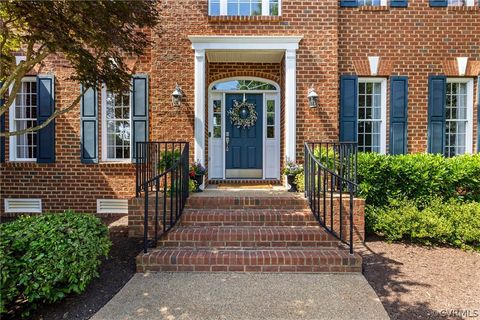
{"points": [[398, 114], [438, 3], [139, 111], [399, 3], [348, 3], [45, 109], [89, 126], [348, 108], [437, 86]]}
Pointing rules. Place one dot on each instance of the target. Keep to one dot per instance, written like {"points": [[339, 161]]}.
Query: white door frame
{"points": [[270, 160], [288, 44]]}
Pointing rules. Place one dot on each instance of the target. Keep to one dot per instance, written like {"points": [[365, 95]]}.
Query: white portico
{"points": [[249, 49]]}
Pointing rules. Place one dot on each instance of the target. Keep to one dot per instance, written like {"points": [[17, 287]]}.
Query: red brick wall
{"points": [[416, 41], [68, 184]]}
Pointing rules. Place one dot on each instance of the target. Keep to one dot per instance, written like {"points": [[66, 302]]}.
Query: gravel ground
{"points": [[417, 282]]}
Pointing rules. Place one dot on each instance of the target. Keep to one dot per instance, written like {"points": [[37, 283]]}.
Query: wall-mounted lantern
{"points": [[177, 96], [312, 98]]}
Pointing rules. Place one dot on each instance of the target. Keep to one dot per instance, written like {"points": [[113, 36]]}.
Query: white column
{"points": [[290, 103], [200, 106]]}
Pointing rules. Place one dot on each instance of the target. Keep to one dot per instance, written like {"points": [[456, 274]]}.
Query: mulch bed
{"points": [[114, 274], [418, 282], [412, 282]]}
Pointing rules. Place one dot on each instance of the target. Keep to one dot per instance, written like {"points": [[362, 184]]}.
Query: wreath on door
{"points": [[243, 114]]}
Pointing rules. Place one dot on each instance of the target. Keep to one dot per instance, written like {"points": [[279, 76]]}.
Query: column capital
{"points": [[290, 54], [200, 54]]}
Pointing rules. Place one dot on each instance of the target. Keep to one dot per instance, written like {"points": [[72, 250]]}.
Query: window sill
{"points": [[464, 8], [19, 164], [220, 19], [374, 8], [107, 163]]}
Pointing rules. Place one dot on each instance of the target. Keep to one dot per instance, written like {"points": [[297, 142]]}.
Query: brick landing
{"points": [[248, 231]]}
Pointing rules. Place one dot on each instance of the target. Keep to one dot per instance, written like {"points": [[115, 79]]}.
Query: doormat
{"points": [[243, 186]]}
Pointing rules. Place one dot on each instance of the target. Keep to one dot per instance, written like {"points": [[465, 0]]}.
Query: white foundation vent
{"points": [[112, 206], [23, 205]]}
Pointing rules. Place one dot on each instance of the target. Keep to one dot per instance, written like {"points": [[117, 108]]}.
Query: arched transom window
{"points": [[247, 85]]}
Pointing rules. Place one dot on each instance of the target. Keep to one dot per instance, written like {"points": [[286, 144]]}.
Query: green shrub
{"points": [[46, 257], [454, 222], [418, 177], [300, 181], [168, 159], [192, 187]]}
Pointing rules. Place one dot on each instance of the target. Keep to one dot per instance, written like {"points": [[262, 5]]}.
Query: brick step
{"points": [[250, 202], [249, 237], [280, 260], [251, 217]]}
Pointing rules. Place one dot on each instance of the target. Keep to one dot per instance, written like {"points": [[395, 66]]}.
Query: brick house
{"points": [[398, 76]]}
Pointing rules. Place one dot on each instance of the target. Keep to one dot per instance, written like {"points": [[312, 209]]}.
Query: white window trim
{"points": [[105, 157], [271, 160], [265, 7], [11, 123], [383, 117], [469, 126]]}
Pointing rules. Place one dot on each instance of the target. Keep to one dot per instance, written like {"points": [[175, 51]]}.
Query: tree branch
{"points": [[17, 75], [47, 122]]}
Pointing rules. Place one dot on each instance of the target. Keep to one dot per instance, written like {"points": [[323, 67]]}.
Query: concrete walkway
{"points": [[244, 296]]}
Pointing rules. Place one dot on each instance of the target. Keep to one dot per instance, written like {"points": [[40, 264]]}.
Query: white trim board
{"points": [[469, 127], [104, 146], [383, 116], [265, 8], [288, 44], [271, 146], [11, 121], [239, 42]]}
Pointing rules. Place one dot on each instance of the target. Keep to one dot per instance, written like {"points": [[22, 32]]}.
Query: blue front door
{"points": [[244, 150]]}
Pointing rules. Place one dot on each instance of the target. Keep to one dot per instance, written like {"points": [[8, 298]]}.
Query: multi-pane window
{"points": [[270, 119], [371, 106], [369, 2], [244, 7], [456, 3], [118, 125], [456, 119], [217, 118], [25, 116], [372, 2]]}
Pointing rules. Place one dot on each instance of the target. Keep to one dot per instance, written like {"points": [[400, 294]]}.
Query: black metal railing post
{"points": [[162, 167], [330, 171]]}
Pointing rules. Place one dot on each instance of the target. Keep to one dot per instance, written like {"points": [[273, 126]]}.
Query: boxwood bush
{"points": [[421, 197], [454, 222], [45, 257], [418, 177], [424, 198]]}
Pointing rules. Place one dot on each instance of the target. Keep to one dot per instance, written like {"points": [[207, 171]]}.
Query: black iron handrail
{"points": [[162, 173], [330, 173]]}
